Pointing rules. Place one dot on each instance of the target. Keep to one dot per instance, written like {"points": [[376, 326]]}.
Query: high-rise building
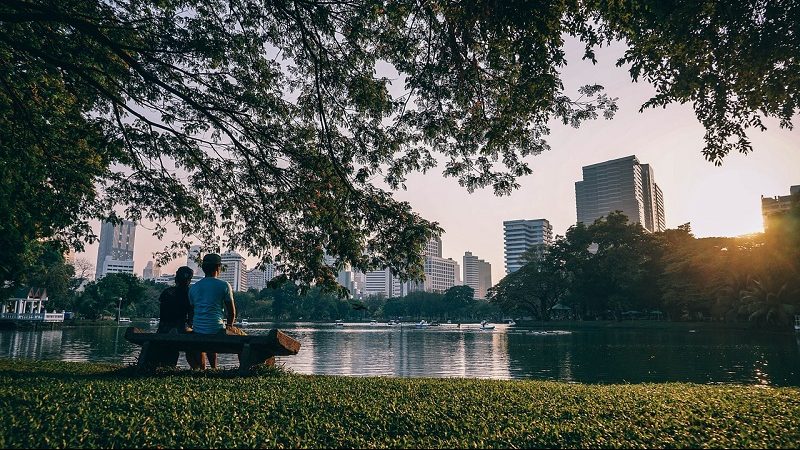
{"points": [[433, 247], [621, 184], [115, 252], [520, 236], [193, 259], [382, 282], [234, 271], [774, 207], [151, 271], [477, 274], [258, 278], [441, 274]]}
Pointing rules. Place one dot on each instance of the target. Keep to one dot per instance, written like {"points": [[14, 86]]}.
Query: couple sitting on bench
{"points": [[205, 308]]}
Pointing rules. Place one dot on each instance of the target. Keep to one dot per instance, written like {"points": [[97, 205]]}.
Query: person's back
{"points": [[175, 315], [174, 309], [212, 302], [208, 297]]}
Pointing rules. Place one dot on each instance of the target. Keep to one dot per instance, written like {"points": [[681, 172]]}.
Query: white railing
{"points": [[34, 317], [54, 317]]}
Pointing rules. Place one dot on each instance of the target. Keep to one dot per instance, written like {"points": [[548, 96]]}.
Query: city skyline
{"points": [[718, 201]]}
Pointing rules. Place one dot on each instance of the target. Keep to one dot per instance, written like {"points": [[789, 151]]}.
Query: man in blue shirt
{"points": [[212, 301]]}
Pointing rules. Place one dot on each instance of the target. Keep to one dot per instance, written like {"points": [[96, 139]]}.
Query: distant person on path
{"points": [[175, 315], [212, 300]]}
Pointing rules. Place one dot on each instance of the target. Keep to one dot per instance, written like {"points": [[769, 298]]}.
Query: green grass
{"points": [[55, 404]]}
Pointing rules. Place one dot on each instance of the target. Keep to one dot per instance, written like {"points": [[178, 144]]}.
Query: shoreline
{"points": [[652, 324]]}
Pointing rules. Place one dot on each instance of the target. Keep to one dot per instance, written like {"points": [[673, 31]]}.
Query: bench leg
{"points": [[250, 358], [144, 357]]}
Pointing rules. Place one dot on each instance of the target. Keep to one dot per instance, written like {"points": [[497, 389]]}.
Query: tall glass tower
{"points": [[115, 253], [624, 185], [521, 235]]}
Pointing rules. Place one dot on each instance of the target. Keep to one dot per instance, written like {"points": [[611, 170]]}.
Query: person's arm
{"points": [[230, 307], [163, 298], [190, 313]]}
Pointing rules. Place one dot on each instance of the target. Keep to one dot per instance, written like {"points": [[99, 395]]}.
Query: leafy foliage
{"points": [[114, 290], [43, 403], [269, 121], [535, 288], [610, 267]]}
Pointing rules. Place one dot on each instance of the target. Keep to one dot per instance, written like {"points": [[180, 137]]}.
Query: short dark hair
{"points": [[184, 274], [209, 268]]}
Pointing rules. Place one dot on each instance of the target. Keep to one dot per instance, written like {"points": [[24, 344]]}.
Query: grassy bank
{"points": [[53, 404]]}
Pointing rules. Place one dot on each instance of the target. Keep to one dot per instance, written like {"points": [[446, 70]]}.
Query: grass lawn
{"points": [[56, 404]]}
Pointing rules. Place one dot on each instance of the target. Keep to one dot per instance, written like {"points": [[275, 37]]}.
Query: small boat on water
{"points": [[486, 326], [422, 324]]}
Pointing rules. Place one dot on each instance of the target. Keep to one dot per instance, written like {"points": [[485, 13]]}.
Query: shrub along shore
{"points": [[57, 404]]}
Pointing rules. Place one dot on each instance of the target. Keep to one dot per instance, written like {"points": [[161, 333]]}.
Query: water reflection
{"points": [[586, 356]]}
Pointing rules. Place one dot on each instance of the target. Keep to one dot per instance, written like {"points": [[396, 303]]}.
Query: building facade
{"points": [[115, 252], [477, 275], [258, 278], [151, 271], [774, 207], [622, 184], [441, 274], [521, 235], [234, 271], [193, 259], [382, 282]]}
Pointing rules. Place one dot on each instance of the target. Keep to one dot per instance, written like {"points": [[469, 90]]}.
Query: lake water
{"points": [[601, 355]]}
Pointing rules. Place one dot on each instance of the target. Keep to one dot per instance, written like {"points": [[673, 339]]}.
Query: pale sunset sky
{"points": [[718, 201]]}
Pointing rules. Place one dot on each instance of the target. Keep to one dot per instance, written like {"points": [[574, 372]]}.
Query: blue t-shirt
{"points": [[208, 297]]}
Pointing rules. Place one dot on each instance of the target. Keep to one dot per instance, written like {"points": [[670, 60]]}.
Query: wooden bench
{"points": [[252, 350]]}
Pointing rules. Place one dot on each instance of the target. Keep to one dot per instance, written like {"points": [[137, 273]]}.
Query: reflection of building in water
{"points": [[451, 353], [31, 344]]}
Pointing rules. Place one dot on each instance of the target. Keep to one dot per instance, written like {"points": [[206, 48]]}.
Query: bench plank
{"points": [[252, 349]]}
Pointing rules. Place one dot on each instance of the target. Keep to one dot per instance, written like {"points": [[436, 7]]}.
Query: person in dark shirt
{"points": [[176, 315], [174, 310]]}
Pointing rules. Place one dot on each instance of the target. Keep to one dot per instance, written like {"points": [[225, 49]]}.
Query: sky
{"points": [[717, 201]]}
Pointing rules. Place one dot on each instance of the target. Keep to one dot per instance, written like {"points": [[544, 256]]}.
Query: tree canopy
{"points": [[275, 121]]}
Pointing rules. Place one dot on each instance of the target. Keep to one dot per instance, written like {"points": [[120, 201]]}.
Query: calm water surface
{"points": [[584, 355]]}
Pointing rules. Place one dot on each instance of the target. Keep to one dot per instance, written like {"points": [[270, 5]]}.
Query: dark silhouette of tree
{"points": [[269, 121]]}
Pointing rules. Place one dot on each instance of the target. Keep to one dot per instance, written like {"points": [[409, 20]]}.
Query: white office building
{"points": [[382, 282], [234, 271], [477, 274], [622, 184], [441, 274], [258, 278], [521, 235], [151, 271], [115, 252], [193, 259]]}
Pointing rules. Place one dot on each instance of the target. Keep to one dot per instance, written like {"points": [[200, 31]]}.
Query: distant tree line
{"points": [[612, 269], [129, 296]]}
